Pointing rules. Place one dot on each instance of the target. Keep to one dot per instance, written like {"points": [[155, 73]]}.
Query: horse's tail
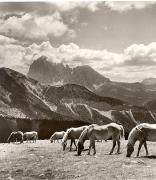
{"points": [[122, 131]]}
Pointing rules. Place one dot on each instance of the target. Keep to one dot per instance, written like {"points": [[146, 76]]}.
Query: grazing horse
{"points": [[15, 137], [104, 132], [72, 134], [57, 136], [28, 136], [142, 132]]}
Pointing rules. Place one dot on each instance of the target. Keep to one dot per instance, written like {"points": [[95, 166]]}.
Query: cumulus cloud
{"points": [[70, 54], [122, 6], [29, 27], [140, 55], [70, 5], [5, 40], [136, 62]]}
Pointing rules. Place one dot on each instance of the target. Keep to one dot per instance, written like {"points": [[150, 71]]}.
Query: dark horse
{"points": [[15, 137]]}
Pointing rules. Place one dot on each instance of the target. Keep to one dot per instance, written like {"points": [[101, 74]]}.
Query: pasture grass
{"points": [[45, 160]]}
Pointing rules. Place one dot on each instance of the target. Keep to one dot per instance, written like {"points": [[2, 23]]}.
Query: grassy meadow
{"points": [[45, 160]]}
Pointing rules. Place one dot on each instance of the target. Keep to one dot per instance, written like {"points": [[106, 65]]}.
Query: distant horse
{"points": [[104, 132], [142, 132], [15, 137], [72, 134], [28, 136], [57, 136]]}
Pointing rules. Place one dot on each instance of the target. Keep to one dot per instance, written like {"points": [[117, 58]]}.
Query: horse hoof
{"points": [[118, 152]]}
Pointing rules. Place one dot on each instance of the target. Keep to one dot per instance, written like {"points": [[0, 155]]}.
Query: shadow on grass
{"points": [[85, 149], [149, 157], [76, 155]]}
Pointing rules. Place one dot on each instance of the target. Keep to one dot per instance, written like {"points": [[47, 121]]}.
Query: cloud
{"points": [[70, 5], [121, 6], [138, 61], [5, 40], [46, 8], [140, 55], [41, 28], [42, 21], [70, 54]]}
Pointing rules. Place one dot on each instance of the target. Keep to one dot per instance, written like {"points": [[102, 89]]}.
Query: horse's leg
{"points": [[71, 145], [114, 144], [90, 146], [75, 145], [118, 150], [140, 145], [145, 145], [94, 147]]}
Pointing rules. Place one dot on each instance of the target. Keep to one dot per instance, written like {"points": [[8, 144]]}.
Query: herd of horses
{"points": [[142, 133], [19, 136]]}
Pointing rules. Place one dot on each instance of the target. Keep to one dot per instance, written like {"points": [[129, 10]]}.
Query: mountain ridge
{"points": [[58, 74], [26, 99], [138, 93]]}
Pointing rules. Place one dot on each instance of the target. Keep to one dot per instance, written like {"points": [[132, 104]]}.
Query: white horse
{"points": [[57, 136], [104, 132], [15, 137], [72, 134], [142, 132], [28, 136]]}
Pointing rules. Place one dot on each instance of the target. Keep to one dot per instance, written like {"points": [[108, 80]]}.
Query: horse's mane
{"points": [[84, 133], [122, 131], [131, 137], [65, 137]]}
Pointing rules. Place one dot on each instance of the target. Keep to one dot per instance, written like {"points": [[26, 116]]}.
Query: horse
{"points": [[103, 132], [142, 132], [15, 137], [57, 136], [28, 136], [72, 134]]}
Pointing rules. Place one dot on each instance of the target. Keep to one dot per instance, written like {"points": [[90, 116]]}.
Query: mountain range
{"points": [[30, 104], [58, 74], [47, 72], [24, 97]]}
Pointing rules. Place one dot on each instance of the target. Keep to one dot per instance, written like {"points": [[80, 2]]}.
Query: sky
{"points": [[117, 39]]}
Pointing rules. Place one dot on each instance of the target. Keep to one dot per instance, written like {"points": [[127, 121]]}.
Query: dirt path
{"points": [[43, 160]]}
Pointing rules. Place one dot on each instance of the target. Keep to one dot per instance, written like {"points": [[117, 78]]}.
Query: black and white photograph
{"points": [[77, 90]]}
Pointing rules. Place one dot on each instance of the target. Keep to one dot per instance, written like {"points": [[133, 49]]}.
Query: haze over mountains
{"points": [[46, 72]]}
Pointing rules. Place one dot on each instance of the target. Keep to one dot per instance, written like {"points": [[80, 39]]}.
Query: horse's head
{"points": [[80, 147], [64, 144], [51, 139], [8, 140], [130, 150], [21, 141]]}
